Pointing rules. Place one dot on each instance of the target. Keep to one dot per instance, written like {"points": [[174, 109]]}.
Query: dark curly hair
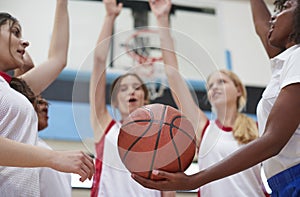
{"points": [[296, 34], [279, 5], [21, 86]]}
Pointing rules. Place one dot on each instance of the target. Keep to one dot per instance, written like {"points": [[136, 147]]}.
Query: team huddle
{"points": [[231, 148]]}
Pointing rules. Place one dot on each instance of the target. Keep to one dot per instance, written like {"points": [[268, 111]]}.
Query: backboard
{"points": [[195, 20], [136, 45], [131, 45], [206, 6]]}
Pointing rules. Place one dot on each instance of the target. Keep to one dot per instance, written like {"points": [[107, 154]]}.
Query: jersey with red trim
{"points": [[218, 142], [18, 122], [112, 179]]}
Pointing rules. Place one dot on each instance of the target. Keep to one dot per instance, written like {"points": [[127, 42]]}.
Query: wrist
{"points": [[163, 21], [110, 16], [62, 2], [197, 180], [50, 160]]}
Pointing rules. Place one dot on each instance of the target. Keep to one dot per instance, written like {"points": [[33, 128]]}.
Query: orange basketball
{"points": [[156, 136]]}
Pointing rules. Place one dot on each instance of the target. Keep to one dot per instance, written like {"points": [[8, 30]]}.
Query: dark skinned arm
{"points": [[278, 131]]}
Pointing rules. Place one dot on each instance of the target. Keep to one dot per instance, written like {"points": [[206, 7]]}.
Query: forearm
{"points": [[23, 155], [261, 17], [99, 114], [60, 35], [40, 77], [180, 91], [260, 14], [104, 39], [98, 78], [167, 42]]}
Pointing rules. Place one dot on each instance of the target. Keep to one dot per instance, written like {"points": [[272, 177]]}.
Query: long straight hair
{"points": [[7, 18]]}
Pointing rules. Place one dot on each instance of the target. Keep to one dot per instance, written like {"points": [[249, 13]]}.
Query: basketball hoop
{"points": [[139, 46], [144, 49]]}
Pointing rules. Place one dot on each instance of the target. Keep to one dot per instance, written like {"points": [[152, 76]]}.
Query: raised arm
{"points": [[261, 18], [179, 89], [23, 155], [100, 117], [40, 77]]}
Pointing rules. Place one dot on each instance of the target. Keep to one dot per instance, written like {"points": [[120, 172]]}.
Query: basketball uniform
{"points": [[111, 178], [18, 122], [217, 143]]}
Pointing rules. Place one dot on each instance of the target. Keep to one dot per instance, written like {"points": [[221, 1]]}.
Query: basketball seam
{"points": [[174, 144], [157, 141], [140, 137]]}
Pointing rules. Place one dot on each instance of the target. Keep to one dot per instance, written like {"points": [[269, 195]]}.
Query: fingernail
{"points": [[155, 172]]}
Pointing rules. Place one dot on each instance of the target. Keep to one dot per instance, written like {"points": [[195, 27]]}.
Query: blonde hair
{"points": [[245, 128]]}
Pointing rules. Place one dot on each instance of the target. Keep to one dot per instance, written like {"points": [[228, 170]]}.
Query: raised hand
{"points": [[160, 8], [112, 9]]}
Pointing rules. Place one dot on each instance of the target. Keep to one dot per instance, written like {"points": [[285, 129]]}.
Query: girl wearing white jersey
{"points": [[52, 182], [112, 179], [18, 119], [216, 138], [278, 115]]}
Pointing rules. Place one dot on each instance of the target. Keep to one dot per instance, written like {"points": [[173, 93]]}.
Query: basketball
{"points": [[156, 136]]}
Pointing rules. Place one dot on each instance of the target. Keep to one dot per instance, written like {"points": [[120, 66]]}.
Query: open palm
{"points": [[160, 7], [112, 8]]}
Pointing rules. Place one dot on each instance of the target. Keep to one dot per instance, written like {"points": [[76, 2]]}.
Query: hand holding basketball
{"points": [[156, 137], [168, 182]]}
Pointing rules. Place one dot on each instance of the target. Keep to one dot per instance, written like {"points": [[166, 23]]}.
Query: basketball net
{"points": [[143, 48]]}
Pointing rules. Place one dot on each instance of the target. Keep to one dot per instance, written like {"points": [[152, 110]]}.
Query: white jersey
{"points": [[112, 179], [52, 182], [18, 122], [217, 143], [285, 70]]}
